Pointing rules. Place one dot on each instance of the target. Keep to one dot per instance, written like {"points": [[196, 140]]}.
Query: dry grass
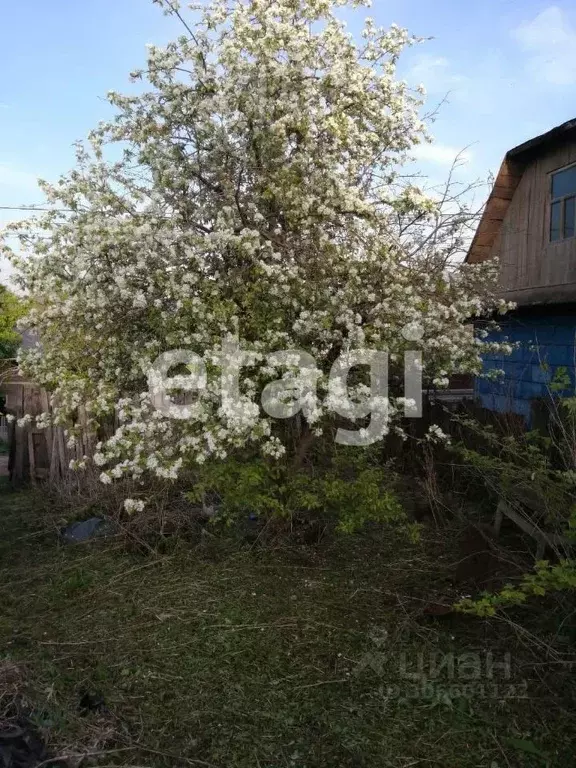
{"points": [[223, 654]]}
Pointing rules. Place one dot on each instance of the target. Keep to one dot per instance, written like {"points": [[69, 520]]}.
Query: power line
{"points": [[32, 208]]}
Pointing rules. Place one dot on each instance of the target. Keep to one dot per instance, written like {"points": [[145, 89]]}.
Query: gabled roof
{"points": [[515, 162]]}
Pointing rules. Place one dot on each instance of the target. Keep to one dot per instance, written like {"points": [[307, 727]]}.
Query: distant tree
{"points": [[11, 309]]}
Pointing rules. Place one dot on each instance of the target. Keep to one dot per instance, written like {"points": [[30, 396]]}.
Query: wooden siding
{"points": [[531, 267], [488, 232]]}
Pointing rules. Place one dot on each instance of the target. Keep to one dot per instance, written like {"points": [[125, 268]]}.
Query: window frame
{"points": [[562, 200]]}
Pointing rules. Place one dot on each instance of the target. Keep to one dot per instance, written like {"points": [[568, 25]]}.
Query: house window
{"points": [[563, 207]]}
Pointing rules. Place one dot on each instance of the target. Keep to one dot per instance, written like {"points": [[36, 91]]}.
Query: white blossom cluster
{"points": [[436, 435], [256, 194], [133, 505]]}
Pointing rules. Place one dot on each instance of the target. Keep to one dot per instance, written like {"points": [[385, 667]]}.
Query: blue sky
{"points": [[506, 67]]}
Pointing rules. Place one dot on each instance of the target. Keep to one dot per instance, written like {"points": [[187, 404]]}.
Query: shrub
{"points": [[535, 471]]}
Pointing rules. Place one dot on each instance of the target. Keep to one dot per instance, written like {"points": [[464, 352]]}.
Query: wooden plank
{"points": [[19, 454], [88, 438], [504, 191], [481, 253], [523, 521], [498, 208], [62, 451], [45, 402], [31, 456], [54, 459]]}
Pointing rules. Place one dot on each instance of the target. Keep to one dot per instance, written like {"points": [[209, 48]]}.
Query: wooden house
{"points": [[529, 224]]}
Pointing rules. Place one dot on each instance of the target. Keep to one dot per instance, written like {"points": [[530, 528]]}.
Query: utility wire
{"points": [[32, 208]]}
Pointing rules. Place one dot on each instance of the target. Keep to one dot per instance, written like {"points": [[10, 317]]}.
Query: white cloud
{"points": [[434, 73], [441, 154], [425, 64], [14, 178], [550, 41]]}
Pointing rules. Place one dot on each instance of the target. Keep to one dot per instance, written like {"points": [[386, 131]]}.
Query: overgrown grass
{"points": [[231, 656]]}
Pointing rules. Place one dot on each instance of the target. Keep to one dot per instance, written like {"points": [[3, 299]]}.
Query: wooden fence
{"points": [[4, 429], [39, 454]]}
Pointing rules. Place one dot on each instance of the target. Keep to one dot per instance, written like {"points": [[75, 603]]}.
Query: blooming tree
{"points": [[254, 194]]}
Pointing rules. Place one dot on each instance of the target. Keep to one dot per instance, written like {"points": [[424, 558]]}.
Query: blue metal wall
{"points": [[547, 345]]}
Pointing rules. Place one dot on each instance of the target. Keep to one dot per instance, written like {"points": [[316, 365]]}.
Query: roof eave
{"points": [[511, 171]]}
